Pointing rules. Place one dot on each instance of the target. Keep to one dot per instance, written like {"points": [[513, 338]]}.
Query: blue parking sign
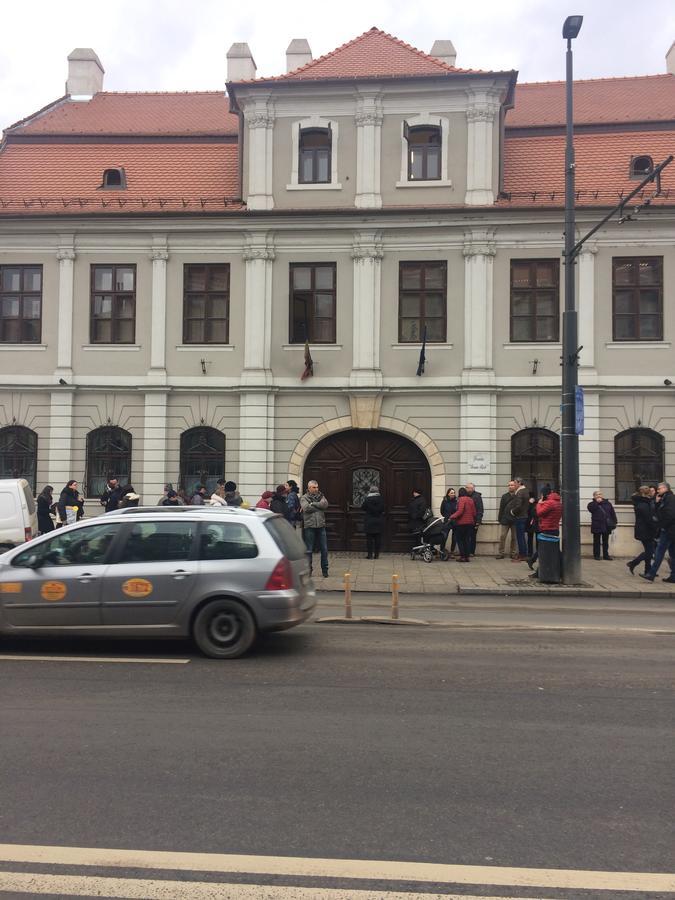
{"points": [[579, 411]]}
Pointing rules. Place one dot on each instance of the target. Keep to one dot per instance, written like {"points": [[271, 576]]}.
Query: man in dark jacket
{"points": [[507, 526], [278, 502], [480, 509], [518, 511], [373, 522], [645, 528], [665, 517], [416, 511], [111, 496]]}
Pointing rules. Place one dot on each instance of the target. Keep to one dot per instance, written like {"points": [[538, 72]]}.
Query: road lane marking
{"points": [[95, 659], [373, 870]]}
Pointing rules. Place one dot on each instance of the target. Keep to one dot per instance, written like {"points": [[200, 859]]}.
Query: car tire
{"points": [[224, 629]]}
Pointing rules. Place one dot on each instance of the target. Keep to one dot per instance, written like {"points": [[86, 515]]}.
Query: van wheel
{"points": [[224, 629]]}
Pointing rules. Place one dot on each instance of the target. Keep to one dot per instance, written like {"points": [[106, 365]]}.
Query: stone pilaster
{"points": [[367, 255], [589, 451], [259, 117], [154, 446], [259, 258], [482, 118], [368, 150], [256, 444], [479, 253], [64, 350], [478, 446], [159, 257], [586, 304], [60, 441]]}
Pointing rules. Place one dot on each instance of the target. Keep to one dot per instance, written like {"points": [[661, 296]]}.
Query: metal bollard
{"points": [[394, 596], [348, 595]]}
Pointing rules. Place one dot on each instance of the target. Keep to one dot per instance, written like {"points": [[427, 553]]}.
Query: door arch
{"points": [[346, 463]]}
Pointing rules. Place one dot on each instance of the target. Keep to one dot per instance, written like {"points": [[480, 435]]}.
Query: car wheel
{"points": [[224, 629]]}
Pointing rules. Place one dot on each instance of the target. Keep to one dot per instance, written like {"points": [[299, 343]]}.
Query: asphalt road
{"points": [[485, 747]]}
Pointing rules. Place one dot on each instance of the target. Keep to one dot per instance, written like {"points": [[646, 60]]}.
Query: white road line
{"points": [[95, 659], [141, 889], [373, 870]]}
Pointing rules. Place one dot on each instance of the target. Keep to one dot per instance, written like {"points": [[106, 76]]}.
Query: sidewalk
{"points": [[483, 575]]}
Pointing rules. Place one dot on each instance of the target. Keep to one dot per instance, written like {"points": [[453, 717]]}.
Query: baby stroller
{"points": [[433, 535]]}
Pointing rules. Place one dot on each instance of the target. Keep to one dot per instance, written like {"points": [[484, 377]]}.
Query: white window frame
{"points": [[296, 128], [435, 122]]}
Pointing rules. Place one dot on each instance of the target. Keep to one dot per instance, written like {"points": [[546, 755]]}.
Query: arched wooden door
{"points": [[347, 463]]}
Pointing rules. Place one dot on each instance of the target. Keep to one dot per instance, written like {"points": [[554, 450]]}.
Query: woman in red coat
{"points": [[465, 520]]}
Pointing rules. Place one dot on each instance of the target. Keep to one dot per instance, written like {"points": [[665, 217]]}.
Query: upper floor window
{"points": [[535, 300], [114, 179], [113, 304], [315, 156], [20, 304], [638, 460], [206, 304], [422, 303], [641, 166], [108, 456], [637, 294], [424, 152], [312, 293], [18, 453]]}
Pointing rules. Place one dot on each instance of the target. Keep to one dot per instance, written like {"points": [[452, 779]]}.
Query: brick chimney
{"points": [[670, 60], [445, 51], [298, 54], [85, 74], [240, 63]]}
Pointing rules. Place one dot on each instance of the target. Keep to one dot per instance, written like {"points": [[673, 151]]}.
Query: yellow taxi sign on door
{"points": [[137, 587], [53, 590]]}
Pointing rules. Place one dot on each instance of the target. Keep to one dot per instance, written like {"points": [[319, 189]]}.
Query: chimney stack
{"points": [[298, 54], [85, 74], [445, 51], [240, 63], [670, 60]]}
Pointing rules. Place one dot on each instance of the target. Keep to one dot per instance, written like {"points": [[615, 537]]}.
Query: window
{"points": [[202, 458], [159, 542], [422, 302], [20, 304], [84, 546], [637, 292], [315, 156], [114, 179], [226, 540], [206, 304], [113, 304], [638, 459], [424, 152], [312, 303], [535, 300], [535, 457], [108, 456], [18, 453], [640, 167]]}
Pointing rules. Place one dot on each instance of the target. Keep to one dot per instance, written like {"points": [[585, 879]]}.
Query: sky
{"points": [[176, 45]]}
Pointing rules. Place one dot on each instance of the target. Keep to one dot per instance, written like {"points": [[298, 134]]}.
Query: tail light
{"points": [[28, 534], [281, 578]]}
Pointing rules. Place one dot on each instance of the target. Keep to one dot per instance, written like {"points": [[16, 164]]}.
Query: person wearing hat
{"points": [[264, 502], [278, 503]]}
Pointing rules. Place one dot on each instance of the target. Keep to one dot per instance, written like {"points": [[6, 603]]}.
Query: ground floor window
{"points": [[202, 458], [638, 459], [535, 457], [108, 456], [18, 453]]}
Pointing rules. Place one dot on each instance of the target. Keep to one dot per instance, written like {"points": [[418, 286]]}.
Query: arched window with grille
{"points": [[638, 459], [18, 453], [202, 458], [108, 456], [535, 457]]}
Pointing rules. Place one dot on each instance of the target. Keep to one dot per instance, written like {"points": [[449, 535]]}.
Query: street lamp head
{"points": [[572, 27]]}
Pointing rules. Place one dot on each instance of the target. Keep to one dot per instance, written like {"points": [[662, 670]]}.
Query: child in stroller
{"points": [[433, 535]]}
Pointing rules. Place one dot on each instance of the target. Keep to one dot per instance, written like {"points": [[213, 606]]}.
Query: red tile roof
{"points": [[374, 54], [534, 167], [644, 98], [190, 113], [64, 177]]}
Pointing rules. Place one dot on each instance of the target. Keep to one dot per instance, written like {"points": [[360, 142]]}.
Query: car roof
{"points": [[206, 512]]}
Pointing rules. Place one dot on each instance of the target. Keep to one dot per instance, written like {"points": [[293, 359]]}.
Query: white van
{"points": [[18, 514]]}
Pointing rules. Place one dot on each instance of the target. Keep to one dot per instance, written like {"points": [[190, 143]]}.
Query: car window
{"points": [[226, 540], [81, 546], [286, 538], [158, 542]]}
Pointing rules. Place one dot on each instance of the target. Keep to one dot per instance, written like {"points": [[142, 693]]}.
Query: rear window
{"points": [[286, 538], [30, 503], [226, 540]]}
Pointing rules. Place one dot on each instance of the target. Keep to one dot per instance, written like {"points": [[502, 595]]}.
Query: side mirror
{"points": [[35, 561]]}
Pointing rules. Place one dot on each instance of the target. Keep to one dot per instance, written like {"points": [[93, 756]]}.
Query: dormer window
{"points": [[114, 179], [315, 156], [424, 152], [641, 166]]}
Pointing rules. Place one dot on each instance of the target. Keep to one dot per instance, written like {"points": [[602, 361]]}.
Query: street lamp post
{"points": [[571, 537]]}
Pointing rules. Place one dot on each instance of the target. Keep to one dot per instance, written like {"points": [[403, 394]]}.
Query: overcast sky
{"points": [[179, 45]]}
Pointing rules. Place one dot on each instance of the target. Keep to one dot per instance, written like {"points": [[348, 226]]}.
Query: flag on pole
{"points": [[423, 358], [309, 363]]}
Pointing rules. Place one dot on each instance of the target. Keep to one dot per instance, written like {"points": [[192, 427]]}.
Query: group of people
{"points": [[462, 514], [654, 529], [69, 508]]}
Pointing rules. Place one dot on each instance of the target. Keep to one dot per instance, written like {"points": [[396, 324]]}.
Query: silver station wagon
{"points": [[220, 576]]}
